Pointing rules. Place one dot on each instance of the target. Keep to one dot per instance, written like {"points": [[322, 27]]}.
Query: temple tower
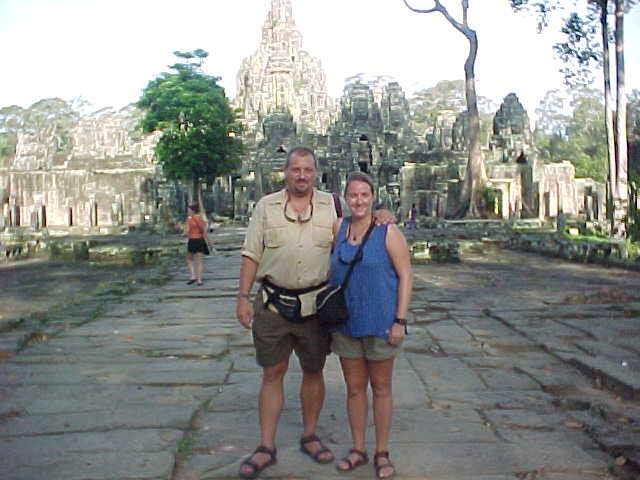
{"points": [[281, 75]]}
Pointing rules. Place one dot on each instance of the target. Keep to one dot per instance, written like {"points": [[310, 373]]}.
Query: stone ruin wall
{"points": [[106, 178], [525, 185]]}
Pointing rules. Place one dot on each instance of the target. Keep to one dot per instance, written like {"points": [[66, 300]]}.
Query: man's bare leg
{"points": [[312, 393], [270, 404]]}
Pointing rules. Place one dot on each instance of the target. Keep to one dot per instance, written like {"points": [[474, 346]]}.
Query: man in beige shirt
{"points": [[287, 248]]}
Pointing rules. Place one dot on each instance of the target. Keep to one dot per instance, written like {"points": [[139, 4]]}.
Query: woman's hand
{"points": [[396, 334]]}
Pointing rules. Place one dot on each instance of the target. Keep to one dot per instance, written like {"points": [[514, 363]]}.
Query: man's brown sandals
{"points": [[256, 469], [353, 460], [319, 454]]}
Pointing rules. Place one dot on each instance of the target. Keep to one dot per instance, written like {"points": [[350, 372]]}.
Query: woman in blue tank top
{"points": [[377, 295]]}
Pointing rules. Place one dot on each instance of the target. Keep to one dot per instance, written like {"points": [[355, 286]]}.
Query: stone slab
{"points": [[617, 378], [446, 374], [438, 460], [52, 399], [89, 466], [154, 371], [506, 379], [156, 417]]}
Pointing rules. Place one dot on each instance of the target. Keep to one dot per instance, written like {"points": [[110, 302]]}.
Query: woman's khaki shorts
{"points": [[371, 347], [275, 338]]}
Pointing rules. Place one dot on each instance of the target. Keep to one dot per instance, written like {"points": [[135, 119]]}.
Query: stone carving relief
{"points": [[281, 74]]}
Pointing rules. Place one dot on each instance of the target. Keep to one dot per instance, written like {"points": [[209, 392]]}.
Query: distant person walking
{"points": [[197, 243], [413, 214]]}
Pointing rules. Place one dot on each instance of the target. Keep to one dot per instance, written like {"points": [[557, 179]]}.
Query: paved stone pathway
{"points": [[516, 367]]}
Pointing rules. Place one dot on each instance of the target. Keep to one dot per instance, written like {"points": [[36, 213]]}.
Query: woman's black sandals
{"points": [[380, 465], [255, 468], [361, 459]]}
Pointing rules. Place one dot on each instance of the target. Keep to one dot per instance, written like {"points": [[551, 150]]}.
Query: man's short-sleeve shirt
{"points": [[291, 254]]}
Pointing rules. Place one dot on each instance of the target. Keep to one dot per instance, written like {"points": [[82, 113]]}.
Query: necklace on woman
{"points": [[354, 236]]}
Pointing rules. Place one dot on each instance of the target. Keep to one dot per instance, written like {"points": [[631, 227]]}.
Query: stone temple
{"points": [[98, 174]]}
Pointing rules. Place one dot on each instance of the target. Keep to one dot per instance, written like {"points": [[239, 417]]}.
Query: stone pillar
{"points": [[34, 218], [93, 213], [14, 216], [5, 216], [588, 204], [143, 212], [117, 212], [259, 190]]}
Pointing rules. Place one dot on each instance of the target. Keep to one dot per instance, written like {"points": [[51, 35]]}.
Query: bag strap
{"points": [[358, 256], [290, 291], [193, 219], [337, 204]]}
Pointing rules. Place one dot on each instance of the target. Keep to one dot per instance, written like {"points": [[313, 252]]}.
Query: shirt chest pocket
{"points": [[274, 237], [322, 236]]}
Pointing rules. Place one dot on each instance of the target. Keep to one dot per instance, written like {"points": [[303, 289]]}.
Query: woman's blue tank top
{"points": [[372, 291]]}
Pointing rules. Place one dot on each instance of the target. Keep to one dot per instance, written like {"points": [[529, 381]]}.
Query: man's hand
{"points": [[383, 216], [244, 312]]}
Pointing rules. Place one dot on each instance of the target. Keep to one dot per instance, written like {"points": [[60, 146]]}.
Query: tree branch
{"points": [[437, 7]]}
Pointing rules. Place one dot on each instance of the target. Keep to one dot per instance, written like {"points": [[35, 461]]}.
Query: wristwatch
{"points": [[403, 322]]}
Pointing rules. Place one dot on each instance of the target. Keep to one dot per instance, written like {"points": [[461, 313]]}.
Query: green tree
{"points": [[50, 121], [551, 118], [199, 133], [633, 129], [426, 104], [550, 133], [575, 132], [11, 121], [581, 47]]}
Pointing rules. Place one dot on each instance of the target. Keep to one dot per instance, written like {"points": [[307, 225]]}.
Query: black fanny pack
{"points": [[286, 300]]}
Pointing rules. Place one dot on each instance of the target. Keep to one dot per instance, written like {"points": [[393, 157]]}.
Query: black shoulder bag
{"points": [[331, 305]]}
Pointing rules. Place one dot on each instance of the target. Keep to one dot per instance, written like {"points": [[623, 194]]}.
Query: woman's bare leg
{"points": [[356, 376], [198, 266], [190, 266], [381, 374]]}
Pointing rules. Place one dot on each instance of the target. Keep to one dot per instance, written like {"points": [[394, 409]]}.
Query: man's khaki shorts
{"points": [[275, 338], [370, 347]]}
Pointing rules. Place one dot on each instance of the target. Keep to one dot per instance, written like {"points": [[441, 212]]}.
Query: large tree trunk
{"points": [[197, 197], [608, 111], [475, 173], [621, 198]]}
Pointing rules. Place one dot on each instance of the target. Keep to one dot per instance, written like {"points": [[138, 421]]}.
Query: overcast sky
{"points": [[106, 51]]}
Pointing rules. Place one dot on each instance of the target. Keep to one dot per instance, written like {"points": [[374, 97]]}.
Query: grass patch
{"points": [[185, 446]]}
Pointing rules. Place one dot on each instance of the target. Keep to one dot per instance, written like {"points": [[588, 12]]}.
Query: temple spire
{"points": [[281, 12], [280, 75]]}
